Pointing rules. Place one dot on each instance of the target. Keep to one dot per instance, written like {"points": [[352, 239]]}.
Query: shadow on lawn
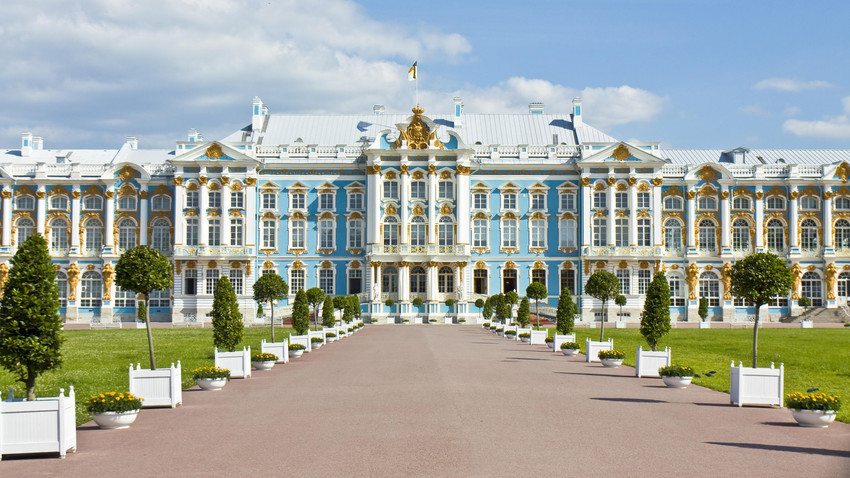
{"points": [[792, 449]]}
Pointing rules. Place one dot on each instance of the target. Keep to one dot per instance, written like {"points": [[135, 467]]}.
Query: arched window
{"points": [[25, 203], [445, 280], [673, 234], [389, 280], [418, 231], [59, 235], [707, 203], [775, 235], [842, 203], [445, 231], [673, 203], [26, 228], [812, 287], [62, 284], [127, 203], [741, 203], [775, 203], [161, 203], [808, 235], [59, 201], [842, 234], [161, 235], [92, 202], [809, 203], [709, 287], [93, 236], [191, 231], [126, 234], [844, 285], [707, 235], [740, 235], [417, 280], [92, 289], [391, 231], [538, 233]]}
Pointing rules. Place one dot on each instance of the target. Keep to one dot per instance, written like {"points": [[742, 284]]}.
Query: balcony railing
{"points": [[431, 249], [213, 251], [624, 251]]}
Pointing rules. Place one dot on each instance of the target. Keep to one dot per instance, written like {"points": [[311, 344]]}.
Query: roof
{"points": [[756, 156]]}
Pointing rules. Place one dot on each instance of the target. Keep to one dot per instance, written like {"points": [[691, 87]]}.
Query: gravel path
{"points": [[451, 401]]}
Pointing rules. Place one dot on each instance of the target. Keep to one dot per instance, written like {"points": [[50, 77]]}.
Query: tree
{"points": [[604, 286], [30, 326], [355, 303], [348, 306], [226, 318], [260, 310], [620, 300], [301, 313], [523, 313], [328, 316], [142, 270], [702, 311], [757, 278], [480, 304], [512, 298], [655, 318], [340, 303], [315, 296], [487, 311], [805, 303], [417, 302], [450, 303], [536, 291], [566, 313], [270, 288]]}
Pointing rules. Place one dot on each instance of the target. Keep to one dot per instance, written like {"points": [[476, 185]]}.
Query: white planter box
{"points": [[280, 349], [448, 319], [538, 337], [238, 362], [522, 330], [592, 348], [46, 425], [619, 324], [807, 324], [341, 331], [303, 340], [648, 362], [704, 325], [756, 386], [159, 388], [559, 339], [511, 327], [317, 333]]}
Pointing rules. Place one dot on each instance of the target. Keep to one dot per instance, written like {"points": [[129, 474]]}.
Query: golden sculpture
{"points": [[693, 280], [830, 280], [127, 173], [404, 168], [178, 181], [374, 169], [250, 181], [585, 181], [621, 153], [707, 174], [726, 277], [611, 181], [73, 280], [4, 276], [108, 272], [463, 170], [842, 171], [796, 277], [203, 180], [417, 135], [214, 151], [657, 181]]}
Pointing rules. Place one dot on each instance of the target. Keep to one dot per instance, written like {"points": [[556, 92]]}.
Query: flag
{"points": [[412, 73]]}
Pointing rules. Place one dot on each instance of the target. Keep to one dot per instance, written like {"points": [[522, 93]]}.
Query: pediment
{"points": [[213, 151], [622, 153]]}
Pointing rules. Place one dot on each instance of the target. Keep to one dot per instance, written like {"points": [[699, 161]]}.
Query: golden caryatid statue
{"points": [[73, 279], [830, 280], [417, 134], [693, 280], [726, 277], [796, 278], [108, 277]]}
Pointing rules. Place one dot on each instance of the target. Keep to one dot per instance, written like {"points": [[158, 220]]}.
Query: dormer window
{"points": [[59, 202]]}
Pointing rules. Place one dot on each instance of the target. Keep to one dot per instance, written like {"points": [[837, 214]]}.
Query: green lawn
{"points": [[97, 361], [812, 357]]}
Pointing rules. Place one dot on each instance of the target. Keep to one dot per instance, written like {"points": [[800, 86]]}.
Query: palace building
{"points": [[445, 206]]}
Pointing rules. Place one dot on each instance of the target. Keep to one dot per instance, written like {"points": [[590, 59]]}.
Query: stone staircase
{"points": [[821, 315]]}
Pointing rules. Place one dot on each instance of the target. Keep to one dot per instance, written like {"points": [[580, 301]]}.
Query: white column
{"points": [[377, 284], [759, 218], [404, 282], [725, 237], [403, 213], [143, 215], [586, 217], [431, 273], [41, 208], [250, 214], [656, 213], [373, 205], [795, 216], [7, 216], [827, 220], [204, 223], [691, 195], [75, 220], [612, 211], [463, 206], [225, 215], [432, 204], [179, 218], [108, 237], [632, 215]]}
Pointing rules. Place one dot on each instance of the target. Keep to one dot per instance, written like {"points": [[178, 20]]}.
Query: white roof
{"points": [[756, 156]]}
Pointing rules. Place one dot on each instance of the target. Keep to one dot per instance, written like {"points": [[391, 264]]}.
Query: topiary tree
{"points": [[270, 288], [702, 311], [226, 318], [301, 313], [142, 270], [30, 326], [805, 303], [487, 311], [450, 303], [757, 278], [523, 313], [389, 303], [566, 313], [340, 302], [354, 302], [315, 296], [480, 304], [328, 315], [537, 291], [604, 286], [620, 300], [417, 302], [512, 298], [498, 311], [655, 318]]}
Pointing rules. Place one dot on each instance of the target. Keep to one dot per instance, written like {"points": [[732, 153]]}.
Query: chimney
{"points": [[133, 142], [378, 109], [37, 143], [26, 144], [535, 108], [194, 136], [577, 112], [259, 114], [458, 112]]}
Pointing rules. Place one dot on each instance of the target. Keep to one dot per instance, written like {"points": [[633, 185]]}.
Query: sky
{"points": [[687, 73]]}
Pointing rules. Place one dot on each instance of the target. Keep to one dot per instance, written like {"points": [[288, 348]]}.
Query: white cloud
{"points": [[837, 127], [790, 84]]}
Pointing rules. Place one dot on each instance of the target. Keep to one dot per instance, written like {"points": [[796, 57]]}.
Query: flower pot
{"points": [[263, 365], [612, 363], [677, 382], [296, 353], [525, 339], [115, 420], [211, 383], [569, 352], [813, 418], [317, 345]]}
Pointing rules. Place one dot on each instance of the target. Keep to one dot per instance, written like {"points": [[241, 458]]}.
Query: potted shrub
{"points": [[500, 330], [805, 303], [211, 378], [316, 342], [296, 350], [702, 311], [417, 302], [390, 303], [510, 334], [263, 360], [330, 336], [570, 349], [450, 303], [525, 336], [676, 376], [432, 321], [549, 340], [113, 410], [813, 409], [611, 358], [480, 304], [486, 325]]}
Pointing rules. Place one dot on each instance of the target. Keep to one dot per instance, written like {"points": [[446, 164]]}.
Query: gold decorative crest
{"points": [[707, 174], [842, 171], [214, 151], [621, 153], [417, 135]]}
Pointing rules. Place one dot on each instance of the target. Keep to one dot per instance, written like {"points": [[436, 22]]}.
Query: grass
{"points": [[813, 357], [97, 361]]}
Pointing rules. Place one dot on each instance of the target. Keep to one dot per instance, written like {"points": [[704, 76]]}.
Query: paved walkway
{"points": [[451, 401]]}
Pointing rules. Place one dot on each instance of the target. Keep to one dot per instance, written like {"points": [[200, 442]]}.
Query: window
{"points": [[673, 234], [215, 199], [269, 234], [509, 280], [25, 203], [600, 232], [355, 281], [842, 234], [297, 201], [624, 276], [127, 203], [566, 233], [391, 231], [842, 203], [62, 285], [190, 282], [509, 201], [673, 203], [355, 201], [296, 279], [214, 231], [778, 302], [445, 280], [843, 284], [326, 281], [677, 293], [621, 200], [160, 299], [192, 199], [26, 227], [644, 232], [446, 190], [775, 203], [92, 289], [509, 233], [389, 280], [621, 232], [326, 201], [479, 201], [812, 288], [568, 280], [479, 281], [355, 234], [568, 202], [707, 235], [808, 235], [538, 275], [538, 202], [538, 233], [237, 199], [161, 235], [212, 280], [191, 231], [809, 203], [124, 298], [643, 200], [326, 234], [644, 278], [237, 279], [775, 235], [161, 203], [418, 231], [741, 203], [742, 302], [709, 287], [391, 190], [445, 231], [92, 203], [740, 235], [479, 233], [707, 203], [297, 236], [237, 231], [600, 200], [59, 235], [59, 202], [126, 234], [418, 279], [418, 190]]}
